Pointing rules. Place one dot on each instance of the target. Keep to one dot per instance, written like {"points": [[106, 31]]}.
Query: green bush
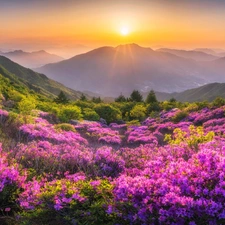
{"points": [[84, 104], [69, 112], [138, 112], [90, 114], [125, 108], [65, 127], [108, 112], [153, 107], [133, 122], [218, 102], [26, 105], [179, 116]]}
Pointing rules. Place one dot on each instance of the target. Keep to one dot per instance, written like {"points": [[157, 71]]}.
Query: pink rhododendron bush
{"points": [[163, 171]]}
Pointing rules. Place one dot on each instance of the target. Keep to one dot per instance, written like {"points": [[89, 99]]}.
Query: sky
{"points": [[69, 26]]}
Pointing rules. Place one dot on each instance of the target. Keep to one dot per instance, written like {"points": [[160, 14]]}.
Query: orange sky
{"points": [[63, 25]]}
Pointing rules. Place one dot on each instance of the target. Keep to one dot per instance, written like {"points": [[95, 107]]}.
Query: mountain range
{"points": [[119, 66], [108, 71], [32, 59]]}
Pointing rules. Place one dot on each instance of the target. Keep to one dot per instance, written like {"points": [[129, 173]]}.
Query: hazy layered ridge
{"points": [[32, 59], [193, 54], [109, 71]]}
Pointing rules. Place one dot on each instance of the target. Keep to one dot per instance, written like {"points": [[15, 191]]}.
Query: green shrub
{"points": [[90, 114], [138, 112], [133, 122], [125, 108], [26, 105], [153, 107], [218, 102], [179, 116], [65, 127], [192, 138], [69, 112], [108, 112]]}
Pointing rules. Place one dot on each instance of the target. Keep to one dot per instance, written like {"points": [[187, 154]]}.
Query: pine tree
{"points": [[151, 98], [61, 98], [120, 98], [136, 96], [96, 100], [83, 97]]}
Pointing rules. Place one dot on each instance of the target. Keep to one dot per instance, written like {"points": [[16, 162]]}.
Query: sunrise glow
{"points": [[124, 31]]}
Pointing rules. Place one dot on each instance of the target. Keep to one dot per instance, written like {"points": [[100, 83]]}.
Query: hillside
{"points": [[125, 68], [208, 92], [32, 59], [38, 82]]}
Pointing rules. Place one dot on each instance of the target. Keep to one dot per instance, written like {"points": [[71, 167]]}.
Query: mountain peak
{"points": [[131, 47], [17, 51], [40, 51]]}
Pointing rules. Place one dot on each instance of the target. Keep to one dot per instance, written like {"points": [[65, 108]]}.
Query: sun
{"points": [[124, 31]]}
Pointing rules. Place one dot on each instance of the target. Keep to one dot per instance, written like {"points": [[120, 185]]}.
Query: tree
{"points": [[96, 100], [218, 102], [172, 100], [151, 98], [136, 96], [83, 97], [61, 98], [120, 98]]}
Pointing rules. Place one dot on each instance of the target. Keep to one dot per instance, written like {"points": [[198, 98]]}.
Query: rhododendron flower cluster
{"points": [[160, 172]]}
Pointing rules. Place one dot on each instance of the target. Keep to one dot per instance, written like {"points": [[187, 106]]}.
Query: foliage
{"points": [[133, 122], [61, 98], [26, 105], [65, 127], [153, 107], [218, 102], [138, 112], [90, 114], [68, 113], [83, 97], [136, 96], [193, 137], [96, 100], [151, 97], [108, 112], [120, 98], [179, 116]]}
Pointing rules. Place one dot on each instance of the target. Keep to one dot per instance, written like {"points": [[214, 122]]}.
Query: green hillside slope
{"points": [[33, 80]]}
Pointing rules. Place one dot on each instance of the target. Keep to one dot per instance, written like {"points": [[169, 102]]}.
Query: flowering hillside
{"points": [[170, 169]]}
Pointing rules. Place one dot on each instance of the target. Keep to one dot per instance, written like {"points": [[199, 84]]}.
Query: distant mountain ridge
{"points": [[191, 54], [112, 70], [109, 71], [32, 59], [35, 81]]}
